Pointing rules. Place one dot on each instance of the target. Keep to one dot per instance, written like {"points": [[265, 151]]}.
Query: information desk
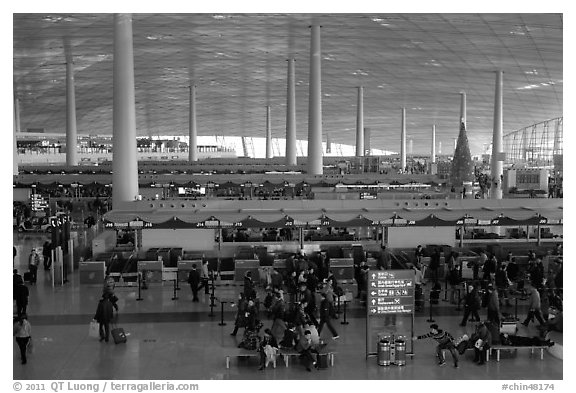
{"points": [[92, 272], [184, 268], [153, 270], [343, 268], [244, 265]]}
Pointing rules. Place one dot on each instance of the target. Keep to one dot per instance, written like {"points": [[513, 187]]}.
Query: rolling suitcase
{"points": [[118, 335]]}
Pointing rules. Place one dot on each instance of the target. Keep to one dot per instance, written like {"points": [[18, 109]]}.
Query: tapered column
{"points": [[192, 131], [268, 133], [360, 123], [291, 115], [497, 142], [367, 146], [16, 129], [403, 140], [433, 151], [315, 105], [463, 108], [71, 132], [124, 160]]}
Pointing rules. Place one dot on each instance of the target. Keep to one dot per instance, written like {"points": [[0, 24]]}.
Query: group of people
{"points": [[296, 322]]}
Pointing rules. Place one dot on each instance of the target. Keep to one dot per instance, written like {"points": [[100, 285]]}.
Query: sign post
{"points": [[390, 305]]}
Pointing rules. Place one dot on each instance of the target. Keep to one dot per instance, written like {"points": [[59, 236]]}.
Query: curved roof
{"points": [[238, 63]]}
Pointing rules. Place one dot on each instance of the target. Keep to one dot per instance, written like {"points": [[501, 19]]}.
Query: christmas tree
{"points": [[462, 168]]}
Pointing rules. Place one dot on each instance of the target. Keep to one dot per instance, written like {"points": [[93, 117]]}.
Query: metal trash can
{"points": [[400, 346], [384, 343]]}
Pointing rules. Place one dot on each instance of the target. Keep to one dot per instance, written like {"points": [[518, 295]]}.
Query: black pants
{"points": [[21, 308], [104, 329], [307, 357], [194, 289], [493, 316], [480, 354], [204, 284], [47, 262], [449, 346], [467, 312], [532, 314], [33, 274], [22, 344], [313, 319], [329, 324]]}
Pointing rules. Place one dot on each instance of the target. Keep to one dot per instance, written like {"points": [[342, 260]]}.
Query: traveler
{"points": [[21, 294], [240, 320], [534, 308], [47, 254], [108, 290], [33, 262], [482, 338], [268, 349], [306, 349], [471, 305], [445, 341], [434, 265], [326, 312], [194, 281], [493, 306], [418, 254], [204, 278], [502, 283], [23, 333], [104, 315]]}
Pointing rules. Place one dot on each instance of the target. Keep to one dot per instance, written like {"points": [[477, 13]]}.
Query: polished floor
{"points": [[178, 340]]}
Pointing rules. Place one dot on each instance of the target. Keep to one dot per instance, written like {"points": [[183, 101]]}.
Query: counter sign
{"points": [[390, 292]]}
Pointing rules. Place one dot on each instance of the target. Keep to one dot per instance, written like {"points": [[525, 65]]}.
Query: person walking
{"points": [[47, 254], [194, 281], [33, 262], [326, 312], [108, 290], [104, 315], [240, 320], [445, 341], [493, 306], [204, 278], [21, 296], [534, 308], [23, 333], [471, 305]]}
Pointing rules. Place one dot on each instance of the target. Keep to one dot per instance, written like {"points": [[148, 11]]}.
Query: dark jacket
{"points": [[483, 334], [194, 278], [442, 336], [472, 300], [326, 309], [21, 294], [104, 312]]}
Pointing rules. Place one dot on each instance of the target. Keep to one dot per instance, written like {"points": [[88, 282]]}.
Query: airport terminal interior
{"points": [[288, 196]]}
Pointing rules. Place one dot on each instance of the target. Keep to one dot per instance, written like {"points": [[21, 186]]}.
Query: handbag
{"points": [[94, 329], [30, 347]]}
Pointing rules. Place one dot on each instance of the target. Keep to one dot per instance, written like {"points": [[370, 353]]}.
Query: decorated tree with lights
{"points": [[462, 167]]}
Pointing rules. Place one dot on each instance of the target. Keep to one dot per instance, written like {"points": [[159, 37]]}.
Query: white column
{"points": [[403, 140], [291, 115], [360, 123], [439, 147], [124, 159], [433, 152], [16, 128], [315, 106], [71, 133], [411, 147], [268, 133], [192, 131], [463, 108], [497, 141]]}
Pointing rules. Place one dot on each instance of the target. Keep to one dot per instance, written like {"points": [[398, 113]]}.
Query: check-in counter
{"points": [[152, 270], [184, 268], [244, 265], [343, 268], [92, 272]]}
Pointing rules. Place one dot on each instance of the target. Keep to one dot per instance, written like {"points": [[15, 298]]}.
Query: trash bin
{"points": [[384, 350], [400, 346]]}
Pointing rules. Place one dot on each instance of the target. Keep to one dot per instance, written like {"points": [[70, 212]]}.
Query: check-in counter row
{"points": [[93, 272]]}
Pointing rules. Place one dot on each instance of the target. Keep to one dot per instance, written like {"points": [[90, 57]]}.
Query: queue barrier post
{"points": [[345, 322], [139, 287], [222, 323], [175, 297]]}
